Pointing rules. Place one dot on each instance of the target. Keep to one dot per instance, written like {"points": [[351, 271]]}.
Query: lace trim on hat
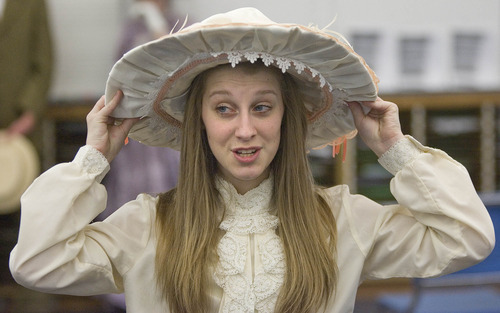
{"points": [[284, 64], [400, 154], [327, 118]]}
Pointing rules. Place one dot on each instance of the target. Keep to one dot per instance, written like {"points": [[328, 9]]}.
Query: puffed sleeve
{"points": [[439, 224], [58, 251]]}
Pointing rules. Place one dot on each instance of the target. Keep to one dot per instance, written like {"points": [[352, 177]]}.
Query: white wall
{"points": [[286, 11], [438, 20], [86, 34]]}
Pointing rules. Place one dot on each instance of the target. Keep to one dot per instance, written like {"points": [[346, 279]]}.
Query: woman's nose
{"points": [[245, 129]]}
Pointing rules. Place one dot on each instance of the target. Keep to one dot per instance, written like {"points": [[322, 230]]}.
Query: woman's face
{"points": [[242, 113]]}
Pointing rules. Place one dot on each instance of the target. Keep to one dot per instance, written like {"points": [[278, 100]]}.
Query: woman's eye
{"points": [[222, 109], [262, 108]]}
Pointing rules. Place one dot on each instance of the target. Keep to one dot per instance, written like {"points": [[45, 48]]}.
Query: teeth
{"points": [[246, 152]]}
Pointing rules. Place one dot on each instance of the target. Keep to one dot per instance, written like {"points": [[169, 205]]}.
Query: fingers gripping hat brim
{"points": [[155, 77]]}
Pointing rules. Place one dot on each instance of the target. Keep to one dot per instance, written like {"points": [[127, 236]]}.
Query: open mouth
{"points": [[246, 153]]}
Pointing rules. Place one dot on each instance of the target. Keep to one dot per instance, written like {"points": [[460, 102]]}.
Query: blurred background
{"points": [[438, 60]]}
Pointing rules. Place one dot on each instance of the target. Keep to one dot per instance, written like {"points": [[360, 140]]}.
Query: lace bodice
{"points": [[251, 260]]}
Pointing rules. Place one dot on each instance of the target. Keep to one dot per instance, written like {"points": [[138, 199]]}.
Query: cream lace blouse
{"points": [[251, 260], [439, 225]]}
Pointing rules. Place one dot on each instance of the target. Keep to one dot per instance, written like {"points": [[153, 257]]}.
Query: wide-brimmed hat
{"points": [[155, 77], [19, 165]]}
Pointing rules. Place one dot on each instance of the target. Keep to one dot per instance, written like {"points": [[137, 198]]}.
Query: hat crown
{"points": [[246, 15]]}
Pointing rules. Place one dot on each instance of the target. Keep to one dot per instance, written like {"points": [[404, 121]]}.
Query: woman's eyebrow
{"points": [[267, 91], [224, 92], [219, 92]]}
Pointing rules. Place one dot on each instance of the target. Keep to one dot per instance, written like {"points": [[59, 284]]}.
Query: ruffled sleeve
{"points": [[439, 224], [58, 251]]}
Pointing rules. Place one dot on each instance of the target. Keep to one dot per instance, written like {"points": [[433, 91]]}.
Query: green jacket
{"points": [[25, 59]]}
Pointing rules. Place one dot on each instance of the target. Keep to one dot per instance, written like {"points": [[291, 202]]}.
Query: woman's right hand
{"points": [[105, 133]]}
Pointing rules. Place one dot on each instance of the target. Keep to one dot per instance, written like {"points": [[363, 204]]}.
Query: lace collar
{"points": [[254, 202], [248, 213]]}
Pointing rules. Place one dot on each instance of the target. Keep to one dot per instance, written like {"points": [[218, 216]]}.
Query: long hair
{"points": [[188, 217]]}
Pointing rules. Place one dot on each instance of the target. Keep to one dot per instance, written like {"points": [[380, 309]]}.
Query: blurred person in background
{"points": [[25, 76], [140, 168], [147, 20]]}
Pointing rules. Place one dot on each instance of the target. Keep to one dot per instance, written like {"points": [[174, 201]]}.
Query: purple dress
{"points": [[139, 168]]}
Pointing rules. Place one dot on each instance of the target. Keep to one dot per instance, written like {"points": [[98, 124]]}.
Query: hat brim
{"points": [[19, 165], [155, 77]]}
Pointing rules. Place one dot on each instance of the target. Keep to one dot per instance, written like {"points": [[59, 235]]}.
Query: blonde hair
{"points": [[188, 230]]}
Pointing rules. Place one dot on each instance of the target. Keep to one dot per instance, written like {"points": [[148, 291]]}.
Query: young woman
{"points": [[246, 229]]}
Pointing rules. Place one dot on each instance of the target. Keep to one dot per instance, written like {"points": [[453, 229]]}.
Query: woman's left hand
{"points": [[105, 133], [379, 128]]}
